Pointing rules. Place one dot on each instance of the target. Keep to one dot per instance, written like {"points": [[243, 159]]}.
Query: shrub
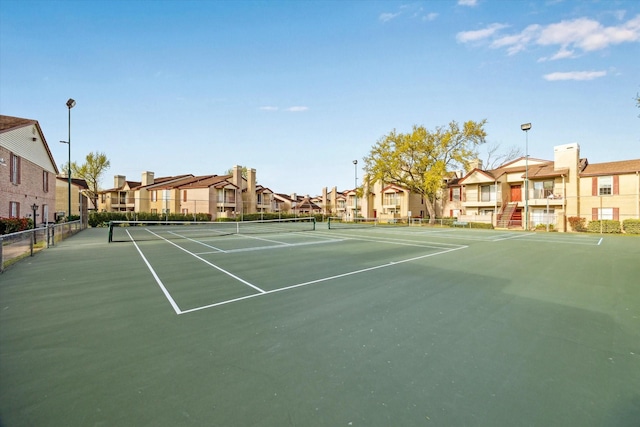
{"points": [[101, 219], [13, 225], [631, 226], [608, 226], [481, 225], [543, 227], [577, 223]]}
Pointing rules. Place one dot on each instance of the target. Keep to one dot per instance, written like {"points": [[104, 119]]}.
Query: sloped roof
{"points": [[393, 187], [133, 185], [75, 181], [609, 168], [9, 123], [206, 181], [306, 203]]}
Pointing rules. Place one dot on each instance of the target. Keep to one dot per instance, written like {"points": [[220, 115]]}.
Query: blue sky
{"points": [[299, 89]]}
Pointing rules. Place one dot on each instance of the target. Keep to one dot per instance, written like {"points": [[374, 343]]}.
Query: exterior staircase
{"points": [[505, 218]]}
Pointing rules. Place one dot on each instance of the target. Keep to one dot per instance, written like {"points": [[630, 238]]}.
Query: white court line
{"points": [[155, 276], [517, 236], [211, 264], [438, 234], [325, 279], [194, 241], [406, 242], [262, 248], [600, 241]]}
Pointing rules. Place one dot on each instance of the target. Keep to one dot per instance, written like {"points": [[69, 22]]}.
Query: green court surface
{"points": [[406, 326]]}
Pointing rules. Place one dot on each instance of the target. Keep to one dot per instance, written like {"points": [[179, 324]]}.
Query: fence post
{"points": [[1, 258], [32, 240]]}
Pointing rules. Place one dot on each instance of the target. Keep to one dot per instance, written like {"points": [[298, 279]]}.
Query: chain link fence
{"points": [[16, 246]]}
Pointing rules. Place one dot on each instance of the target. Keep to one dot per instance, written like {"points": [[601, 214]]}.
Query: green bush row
{"points": [[608, 226], [102, 219], [481, 225], [13, 225], [631, 226]]}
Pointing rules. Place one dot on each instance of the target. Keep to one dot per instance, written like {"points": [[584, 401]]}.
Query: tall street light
{"points": [[70, 104], [526, 127], [355, 211]]}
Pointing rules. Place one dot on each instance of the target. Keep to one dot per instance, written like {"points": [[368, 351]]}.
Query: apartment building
{"points": [[27, 171], [565, 187], [222, 196]]}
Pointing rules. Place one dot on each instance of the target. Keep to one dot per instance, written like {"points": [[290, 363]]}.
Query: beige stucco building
{"points": [[222, 196], [566, 187]]}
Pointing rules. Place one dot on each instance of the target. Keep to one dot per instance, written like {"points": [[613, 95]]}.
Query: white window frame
{"points": [[605, 185]]}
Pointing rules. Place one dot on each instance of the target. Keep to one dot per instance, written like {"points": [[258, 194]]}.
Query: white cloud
{"points": [[467, 2], [430, 16], [575, 75], [297, 109], [517, 42], [386, 17], [571, 37], [269, 108], [470, 36]]}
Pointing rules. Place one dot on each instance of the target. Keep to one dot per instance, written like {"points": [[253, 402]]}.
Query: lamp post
{"points": [[355, 210], [34, 208], [526, 127], [70, 104]]}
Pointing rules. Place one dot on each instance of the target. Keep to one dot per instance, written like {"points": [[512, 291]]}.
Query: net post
{"points": [[314, 223], [110, 231]]}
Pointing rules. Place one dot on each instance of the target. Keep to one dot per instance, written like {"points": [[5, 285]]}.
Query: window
{"points": [[542, 189], [605, 186], [391, 199], [184, 196], [454, 194], [15, 169], [154, 196], [184, 211], [45, 181], [487, 193], [605, 213], [154, 211], [14, 210]]}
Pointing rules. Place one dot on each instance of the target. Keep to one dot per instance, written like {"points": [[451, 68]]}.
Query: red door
{"points": [[516, 193]]}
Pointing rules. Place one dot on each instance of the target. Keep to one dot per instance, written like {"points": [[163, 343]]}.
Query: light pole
{"points": [[70, 104], [34, 208], [526, 127], [355, 211]]}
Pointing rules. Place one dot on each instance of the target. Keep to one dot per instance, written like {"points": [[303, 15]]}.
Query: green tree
{"points": [[419, 160], [92, 170]]}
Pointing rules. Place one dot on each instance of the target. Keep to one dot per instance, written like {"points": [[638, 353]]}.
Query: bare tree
{"points": [[496, 156]]}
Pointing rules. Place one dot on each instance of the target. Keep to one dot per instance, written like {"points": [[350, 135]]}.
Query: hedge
{"points": [[102, 219], [608, 226], [631, 226], [13, 225]]}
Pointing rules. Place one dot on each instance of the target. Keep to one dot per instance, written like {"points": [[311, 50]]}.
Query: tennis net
{"points": [[125, 231]]}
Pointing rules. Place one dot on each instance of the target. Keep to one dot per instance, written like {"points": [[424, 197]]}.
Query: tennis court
{"points": [[369, 326]]}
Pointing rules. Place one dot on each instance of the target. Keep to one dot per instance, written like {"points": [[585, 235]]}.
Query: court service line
{"points": [[517, 236], [196, 241], [324, 279], [281, 246], [155, 276], [241, 280], [403, 242]]}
